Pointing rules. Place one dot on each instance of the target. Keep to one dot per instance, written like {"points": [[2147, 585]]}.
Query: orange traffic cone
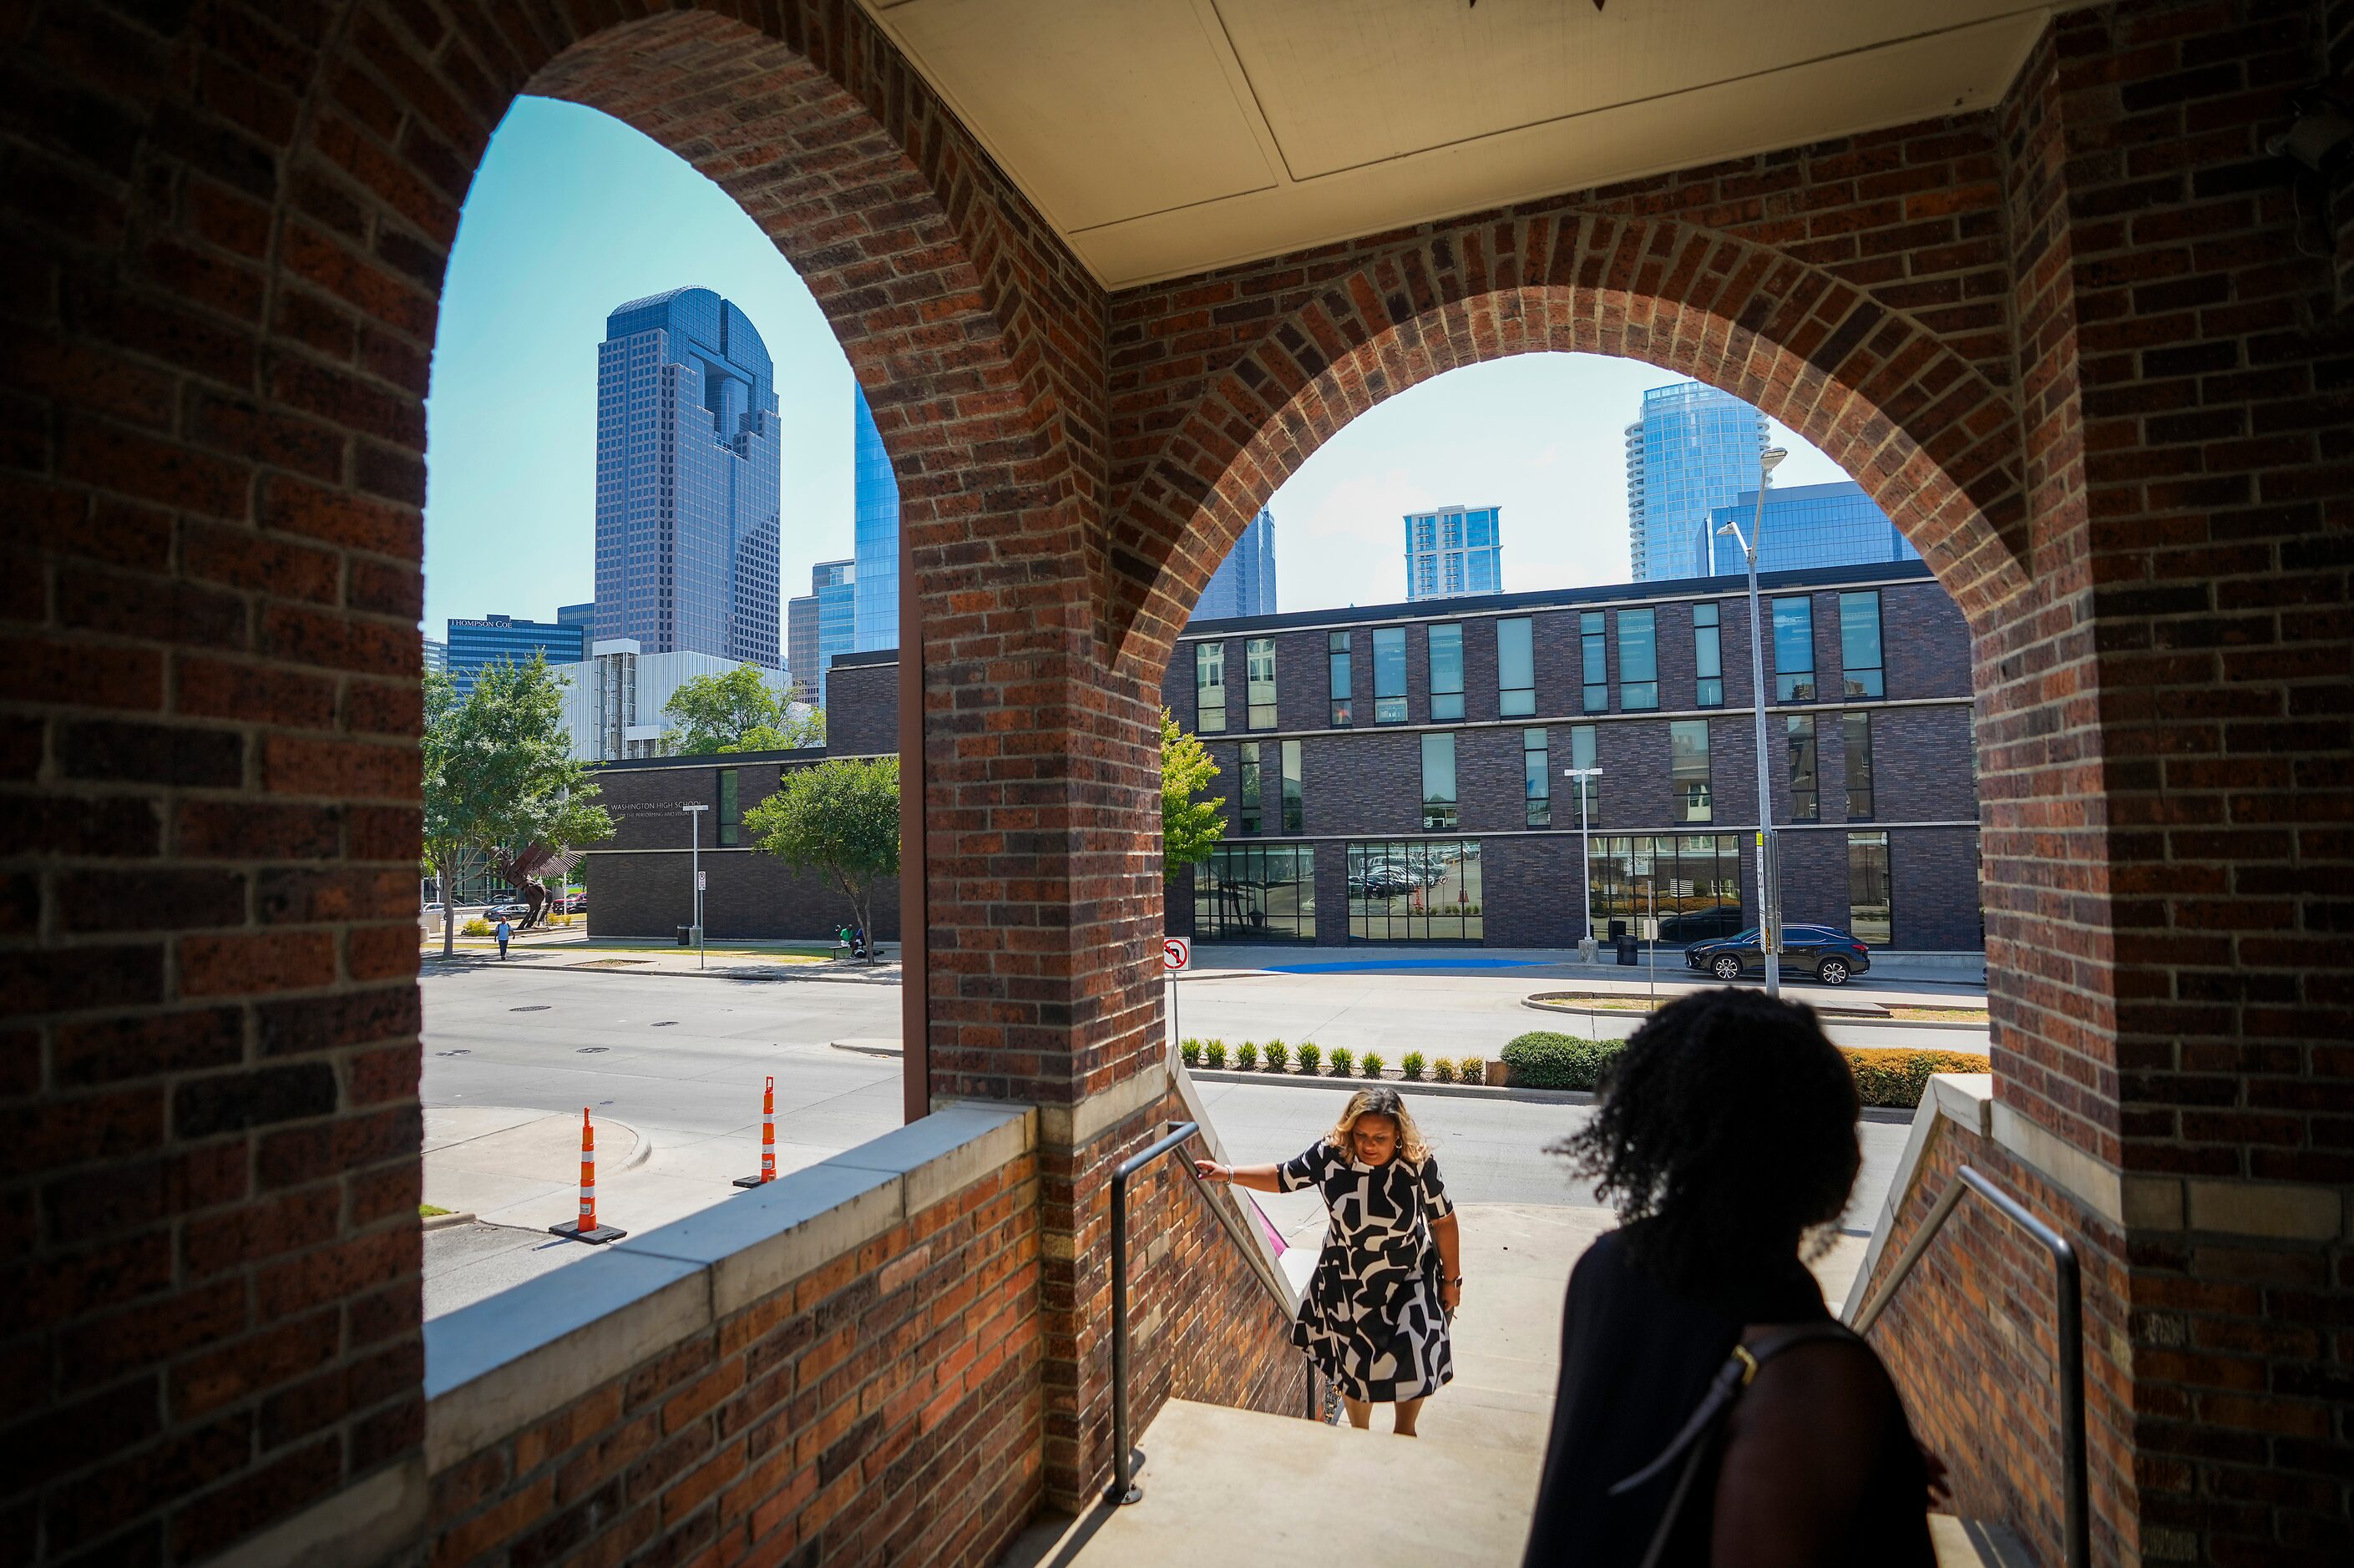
{"points": [[768, 1140], [587, 1229]]}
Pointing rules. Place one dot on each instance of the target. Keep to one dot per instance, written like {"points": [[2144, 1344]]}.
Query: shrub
{"points": [[1311, 1056], [1898, 1077], [1216, 1053], [1371, 1065], [1443, 1070], [1191, 1051], [1542, 1059], [1279, 1055], [1474, 1070], [1342, 1060], [1247, 1056], [1412, 1064], [477, 926]]}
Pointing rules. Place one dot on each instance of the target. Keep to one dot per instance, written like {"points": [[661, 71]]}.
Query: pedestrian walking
{"points": [[1710, 1411], [503, 933], [1374, 1317]]}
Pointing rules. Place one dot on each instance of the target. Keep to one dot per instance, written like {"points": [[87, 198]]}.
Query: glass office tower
{"points": [[474, 643], [1694, 449], [1454, 550], [820, 624], [875, 548], [687, 479], [1243, 583], [1809, 525]]}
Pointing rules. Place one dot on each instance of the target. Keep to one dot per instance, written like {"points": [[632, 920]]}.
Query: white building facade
{"points": [[613, 700]]}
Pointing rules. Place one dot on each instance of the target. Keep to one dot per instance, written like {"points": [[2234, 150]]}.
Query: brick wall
{"points": [[861, 708]]}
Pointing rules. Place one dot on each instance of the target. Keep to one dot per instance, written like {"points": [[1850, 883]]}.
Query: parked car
{"points": [[1832, 957], [497, 912], [1700, 925], [1381, 880]]}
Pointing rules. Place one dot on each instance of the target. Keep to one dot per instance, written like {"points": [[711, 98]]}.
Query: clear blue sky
{"points": [[573, 213]]}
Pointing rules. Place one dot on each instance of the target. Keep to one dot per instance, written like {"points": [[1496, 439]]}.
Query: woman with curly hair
{"points": [[1709, 1410], [1374, 1319]]}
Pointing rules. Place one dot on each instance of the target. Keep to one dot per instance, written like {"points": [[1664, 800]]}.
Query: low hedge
{"points": [[1896, 1078]]}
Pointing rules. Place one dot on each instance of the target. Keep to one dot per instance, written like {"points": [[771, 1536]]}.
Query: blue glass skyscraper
{"points": [[1695, 449], [1809, 525], [1243, 583], [687, 479], [875, 545], [820, 624], [1454, 550], [474, 643]]}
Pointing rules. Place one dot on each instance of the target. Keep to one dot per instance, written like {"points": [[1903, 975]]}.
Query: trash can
{"points": [[1626, 951], [687, 935]]}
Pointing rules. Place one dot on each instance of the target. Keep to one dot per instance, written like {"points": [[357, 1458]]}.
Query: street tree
{"points": [[840, 818], [1189, 829], [738, 711], [501, 778]]}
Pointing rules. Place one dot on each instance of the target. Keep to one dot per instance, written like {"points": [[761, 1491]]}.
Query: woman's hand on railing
{"points": [[1211, 1170]]}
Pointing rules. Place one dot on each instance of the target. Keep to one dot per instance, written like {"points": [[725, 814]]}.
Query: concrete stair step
{"points": [[1974, 1543]]}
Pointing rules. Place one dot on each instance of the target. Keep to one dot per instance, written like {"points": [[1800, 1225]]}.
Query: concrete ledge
{"points": [[379, 1520], [2094, 1181], [1966, 1099], [1403, 1085], [500, 1364], [1078, 1125]]}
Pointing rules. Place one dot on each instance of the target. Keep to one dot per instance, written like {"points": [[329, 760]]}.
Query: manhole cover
{"points": [[535, 1007], [592, 1050]]}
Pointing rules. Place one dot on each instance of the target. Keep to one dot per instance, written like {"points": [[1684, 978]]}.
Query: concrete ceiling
{"points": [[1163, 137]]}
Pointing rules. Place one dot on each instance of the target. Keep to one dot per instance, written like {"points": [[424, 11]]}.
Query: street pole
{"points": [[1769, 929], [695, 865], [1585, 842]]}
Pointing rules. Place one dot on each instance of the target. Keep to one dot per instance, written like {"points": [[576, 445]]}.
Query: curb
{"points": [[1403, 1085], [447, 1221], [1831, 1020]]}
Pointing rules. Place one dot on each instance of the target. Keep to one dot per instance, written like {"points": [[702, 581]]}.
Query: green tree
{"points": [[738, 711], [1189, 829], [840, 819], [499, 777]]}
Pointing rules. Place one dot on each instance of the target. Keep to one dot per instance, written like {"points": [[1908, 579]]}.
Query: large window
{"points": [[1250, 792], [1416, 890], [1688, 883], [1855, 733], [1638, 659], [1256, 893], [1389, 674], [1516, 668], [1805, 789], [1439, 783], [1336, 660], [731, 813], [1536, 773], [1694, 800], [1593, 659], [1294, 814], [1869, 914], [1209, 688], [1708, 656], [1859, 656], [1588, 799], [1259, 666], [1446, 674], [1793, 650]]}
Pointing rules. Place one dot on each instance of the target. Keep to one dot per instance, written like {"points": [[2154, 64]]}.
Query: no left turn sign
{"points": [[1174, 953]]}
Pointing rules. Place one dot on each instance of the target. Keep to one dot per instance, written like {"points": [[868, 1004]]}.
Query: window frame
{"points": [[1445, 639], [1258, 715], [1638, 659], [1708, 656], [1250, 791], [1516, 701], [1792, 685], [1441, 814], [1340, 679], [1389, 646], [1593, 659], [1209, 661], [1806, 783], [1883, 932], [1859, 680], [730, 813], [1585, 746], [1687, 804], [1536, 778], [1294, 803], [1855, 742]]}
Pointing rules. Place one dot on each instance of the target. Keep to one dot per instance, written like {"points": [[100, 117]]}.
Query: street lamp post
{"points": [[1769, 928], [1585, 848], [694, 862]]}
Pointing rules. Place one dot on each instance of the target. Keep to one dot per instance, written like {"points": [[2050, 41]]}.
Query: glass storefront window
{"points": [[1445, 674], [1793, 650], [1694, 798], [1336, 658], [1681, 889], [1209, 688], [1416, 890], [1708, 656], [1258, 669], [1859, 655], [1638, 659], [1516, 668], [1439, 783], [1389, 674], [1256, 893], [1869, 913]]}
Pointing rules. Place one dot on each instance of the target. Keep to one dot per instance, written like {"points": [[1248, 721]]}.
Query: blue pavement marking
{"points": [[1405, 964]]}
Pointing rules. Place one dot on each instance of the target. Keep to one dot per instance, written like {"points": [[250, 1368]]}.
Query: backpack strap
{"points": [[1731, 1378]]}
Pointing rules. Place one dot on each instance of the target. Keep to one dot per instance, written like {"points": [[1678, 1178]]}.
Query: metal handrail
{"points": [[2067, 1290], [1125, 1487]]}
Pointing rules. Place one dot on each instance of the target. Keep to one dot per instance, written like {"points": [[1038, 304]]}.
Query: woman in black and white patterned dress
{"points": [[1374, 1316]]}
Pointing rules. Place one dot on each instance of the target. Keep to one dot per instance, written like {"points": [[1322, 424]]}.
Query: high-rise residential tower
{"points": [[1243, 583], [1694, 449], [687, 479], [820, 624], [875, 545], [1809, 526], [1454, 550]]}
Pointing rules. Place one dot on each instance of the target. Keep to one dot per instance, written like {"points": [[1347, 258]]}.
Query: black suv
{"points": [[1830, 956]]}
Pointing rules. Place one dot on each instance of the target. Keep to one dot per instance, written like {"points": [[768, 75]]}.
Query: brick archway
{"points": [[1886, 398]]}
